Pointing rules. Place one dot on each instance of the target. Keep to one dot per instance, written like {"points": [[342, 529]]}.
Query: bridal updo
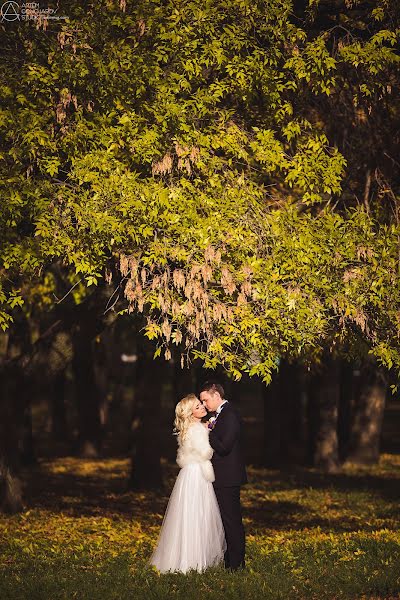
{"points": [[183, 416]]}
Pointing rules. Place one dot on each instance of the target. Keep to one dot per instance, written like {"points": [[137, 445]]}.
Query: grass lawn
{"points": [[308, 535]]}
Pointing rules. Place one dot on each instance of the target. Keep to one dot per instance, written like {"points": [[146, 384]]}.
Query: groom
{"points": [[229, 469]]}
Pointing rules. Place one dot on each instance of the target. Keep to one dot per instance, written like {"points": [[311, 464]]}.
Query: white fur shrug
{"points": [[196, 448]]}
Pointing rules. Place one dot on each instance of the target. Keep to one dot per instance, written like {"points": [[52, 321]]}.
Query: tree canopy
{"points": [[234, 160]]}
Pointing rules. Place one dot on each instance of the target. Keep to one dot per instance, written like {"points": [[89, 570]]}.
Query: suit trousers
{"points": [[231, 513]]}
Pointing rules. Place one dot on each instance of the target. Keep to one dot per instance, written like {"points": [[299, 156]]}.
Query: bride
{"points": [[192, 535]]}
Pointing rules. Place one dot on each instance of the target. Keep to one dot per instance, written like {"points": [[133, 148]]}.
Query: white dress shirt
{"points": [[220, 407]]}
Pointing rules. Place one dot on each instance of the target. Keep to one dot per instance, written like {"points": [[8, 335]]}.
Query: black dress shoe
{"points": [[240, 567]]}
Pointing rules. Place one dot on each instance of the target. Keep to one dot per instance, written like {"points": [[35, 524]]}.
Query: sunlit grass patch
{"points": [[86, 535]]}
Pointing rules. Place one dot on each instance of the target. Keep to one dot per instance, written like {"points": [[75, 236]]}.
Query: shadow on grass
{"points": [[386, 484], [274, 500]]}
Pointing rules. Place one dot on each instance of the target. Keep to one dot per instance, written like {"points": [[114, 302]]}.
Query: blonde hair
{"points": [[183, 416]]}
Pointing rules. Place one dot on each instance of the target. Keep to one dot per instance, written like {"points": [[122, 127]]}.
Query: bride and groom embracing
{"points": [[202, 523]]}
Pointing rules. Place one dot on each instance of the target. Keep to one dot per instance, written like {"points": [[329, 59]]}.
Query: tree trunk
{"points": [[58, 412], [345, 407], [285, 418], [28, 454], [272, 430], [14, 387], [367, 418], [146, 448], [87, 395], [292, 412], [312, 425], [10, 406], [325, 391]]}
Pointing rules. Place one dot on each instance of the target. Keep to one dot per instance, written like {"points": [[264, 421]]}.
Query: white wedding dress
{"points": [[192, 535]]}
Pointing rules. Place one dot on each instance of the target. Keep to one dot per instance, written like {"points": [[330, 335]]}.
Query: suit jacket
{"points": [[225, 439]]}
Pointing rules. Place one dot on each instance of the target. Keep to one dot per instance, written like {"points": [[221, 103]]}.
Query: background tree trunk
{"points": [[14, 387], [325, 391], [147, 444], [28, 454], [272, 430], [292, 412], [285, 416], [11, 409], [367, 418], [58, 410], [87, 395], [347, 389]]}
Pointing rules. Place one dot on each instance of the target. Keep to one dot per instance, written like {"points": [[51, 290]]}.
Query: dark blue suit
{"points": [[230, 474]]}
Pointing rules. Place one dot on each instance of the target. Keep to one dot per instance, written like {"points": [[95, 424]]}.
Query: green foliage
{"points": [[200, 147]]}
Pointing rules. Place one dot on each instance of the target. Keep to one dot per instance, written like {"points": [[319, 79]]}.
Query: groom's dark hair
{"points": [[212, 386]]}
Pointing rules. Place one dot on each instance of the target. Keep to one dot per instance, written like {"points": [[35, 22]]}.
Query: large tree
{"points": [[201, 144], [229, 166]]}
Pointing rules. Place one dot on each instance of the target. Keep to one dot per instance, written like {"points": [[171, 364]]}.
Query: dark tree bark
{"points": [[285, 417], [369, 405], [272, 429], [347, 390], [87, 394], [14, 388], [28, 453], [292, 412], [146, 470], [325, 394], [58, 411], [11, 408], [58, 355]]}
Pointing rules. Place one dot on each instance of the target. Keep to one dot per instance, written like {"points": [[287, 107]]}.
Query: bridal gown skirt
{"points": [[192, 535]]}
